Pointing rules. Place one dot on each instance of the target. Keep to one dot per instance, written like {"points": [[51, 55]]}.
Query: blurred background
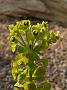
{"points": [[53, 11]]}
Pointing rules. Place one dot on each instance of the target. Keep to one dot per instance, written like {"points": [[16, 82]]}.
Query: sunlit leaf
{"points": [[14, 63], [45, 24], [21, 59], [14, 72], [18, 85], [13, 47], [10, 27]]}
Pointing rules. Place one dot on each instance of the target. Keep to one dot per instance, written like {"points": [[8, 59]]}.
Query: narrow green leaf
{"points": [[39, 71], [22, 49], [45, 62], [21, 77]]}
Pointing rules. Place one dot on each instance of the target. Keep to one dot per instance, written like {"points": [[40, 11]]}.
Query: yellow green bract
{"points": [[28, 68]]}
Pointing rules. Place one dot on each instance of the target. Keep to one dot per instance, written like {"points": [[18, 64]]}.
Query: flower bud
{"points": [[13, 39], [26, 23], [35, 33]]}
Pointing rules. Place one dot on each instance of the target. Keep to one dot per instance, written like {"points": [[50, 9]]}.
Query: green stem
{"points": [[30, 75], [29, 72], [21, 38], [19, 41], [26, 38]]}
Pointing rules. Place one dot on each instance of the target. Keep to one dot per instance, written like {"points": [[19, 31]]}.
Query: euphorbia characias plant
{"points": [[28, 67]]}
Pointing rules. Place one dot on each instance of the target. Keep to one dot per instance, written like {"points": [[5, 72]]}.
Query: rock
{"points": [[21, 7], [55, 10]]}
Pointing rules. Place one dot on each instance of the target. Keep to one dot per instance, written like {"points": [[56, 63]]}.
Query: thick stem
{"points": [[26, 37], [30, 75]]}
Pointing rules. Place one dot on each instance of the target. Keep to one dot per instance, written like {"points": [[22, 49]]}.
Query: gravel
{"points": [[57, 56]]}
